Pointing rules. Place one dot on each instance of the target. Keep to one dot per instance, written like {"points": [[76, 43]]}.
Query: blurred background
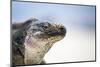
{"points": [[79, 42]]}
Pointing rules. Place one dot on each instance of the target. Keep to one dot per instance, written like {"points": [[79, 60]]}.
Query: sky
{"points": [[79, 42], [70, 15]]}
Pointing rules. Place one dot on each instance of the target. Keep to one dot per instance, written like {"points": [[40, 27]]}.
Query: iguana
{"points": [[32, 39]]}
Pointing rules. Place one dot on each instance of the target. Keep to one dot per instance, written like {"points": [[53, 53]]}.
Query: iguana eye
{"points": [[45, 26], [34, 29]]}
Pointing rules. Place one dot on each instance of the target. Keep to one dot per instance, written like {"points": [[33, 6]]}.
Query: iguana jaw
{"points": [[36, 49]]}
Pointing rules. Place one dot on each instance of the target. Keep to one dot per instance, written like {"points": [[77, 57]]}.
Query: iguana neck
{"points": [[35, 55], [18, 46]]}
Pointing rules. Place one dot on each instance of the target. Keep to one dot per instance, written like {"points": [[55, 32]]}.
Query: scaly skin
{"points": [[32, 39]]}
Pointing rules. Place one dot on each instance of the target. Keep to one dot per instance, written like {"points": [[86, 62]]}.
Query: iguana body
{"points": [[33, 39]]}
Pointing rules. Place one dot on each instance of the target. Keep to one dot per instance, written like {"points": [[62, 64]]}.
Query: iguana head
{"points": [[45, 32]]}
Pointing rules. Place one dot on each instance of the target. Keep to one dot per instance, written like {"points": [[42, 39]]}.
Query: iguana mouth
{"points": [[59, 32]]}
